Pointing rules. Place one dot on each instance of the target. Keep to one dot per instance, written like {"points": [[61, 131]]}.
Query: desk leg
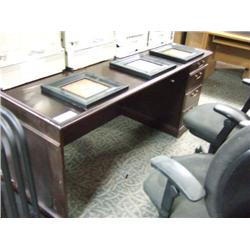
{"points": [[56, 159], [47, 161]]}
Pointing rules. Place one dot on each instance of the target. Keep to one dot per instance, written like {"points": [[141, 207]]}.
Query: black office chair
{"points": [[214, 122], [204, 185], [18, 193]]}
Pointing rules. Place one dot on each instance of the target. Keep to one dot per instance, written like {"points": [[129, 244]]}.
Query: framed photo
{"points": [[83, 90], [177, 52], [143, 66]]}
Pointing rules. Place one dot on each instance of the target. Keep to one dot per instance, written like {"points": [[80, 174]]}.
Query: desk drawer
{"points": [[196, 77], [198, 65], [192, 98]]}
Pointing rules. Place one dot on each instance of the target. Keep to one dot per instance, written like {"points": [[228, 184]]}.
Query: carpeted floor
{"points": [[106, 168]]}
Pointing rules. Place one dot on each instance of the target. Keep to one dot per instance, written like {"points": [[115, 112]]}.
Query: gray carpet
{"points": [[106, 168]]}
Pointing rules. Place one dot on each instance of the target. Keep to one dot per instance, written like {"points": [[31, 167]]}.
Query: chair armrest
{"points": [[246, 81], [231, 113], [180, 177]]}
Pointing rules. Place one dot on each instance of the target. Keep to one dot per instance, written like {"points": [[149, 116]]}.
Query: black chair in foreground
{"points": [[204, 185], [214, 122], [18, 192], [17, 178]]}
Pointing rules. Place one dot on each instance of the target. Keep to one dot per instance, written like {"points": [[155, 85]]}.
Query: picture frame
{"points": [[146, 67], [83, 90], [177, 52]]}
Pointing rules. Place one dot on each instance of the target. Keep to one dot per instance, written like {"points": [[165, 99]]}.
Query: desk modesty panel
{"points": [[50, 124]]}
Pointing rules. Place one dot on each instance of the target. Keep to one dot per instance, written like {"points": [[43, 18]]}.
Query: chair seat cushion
{"points": [[204, 122], [155, 185]]}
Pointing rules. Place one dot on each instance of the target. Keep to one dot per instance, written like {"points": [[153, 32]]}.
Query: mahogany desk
{"points": [[160, 103]]}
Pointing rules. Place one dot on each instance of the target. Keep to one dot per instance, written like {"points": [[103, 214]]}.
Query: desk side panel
{"points": [[41, 125]]}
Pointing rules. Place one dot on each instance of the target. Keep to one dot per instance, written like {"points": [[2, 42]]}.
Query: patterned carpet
{"points": [[106, 168]]}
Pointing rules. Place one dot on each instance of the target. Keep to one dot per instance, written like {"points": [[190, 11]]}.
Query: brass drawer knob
{"points": [[201, 63], [195, 93], [198, 76]]}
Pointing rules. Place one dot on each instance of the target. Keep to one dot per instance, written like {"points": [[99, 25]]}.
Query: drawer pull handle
{"points": [[201, 64], [195, 93], [198, 76], [172, 81]]}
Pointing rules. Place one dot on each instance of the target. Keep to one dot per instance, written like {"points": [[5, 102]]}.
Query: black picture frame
{"points": [[124, 66], [162, 52], [55, 90]]}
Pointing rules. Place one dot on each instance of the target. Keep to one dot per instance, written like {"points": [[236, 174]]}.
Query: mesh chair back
{"points": [[228, 178], [18, 191]]}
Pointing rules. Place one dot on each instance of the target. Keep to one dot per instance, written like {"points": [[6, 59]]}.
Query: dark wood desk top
{"points": [[40, 109]]}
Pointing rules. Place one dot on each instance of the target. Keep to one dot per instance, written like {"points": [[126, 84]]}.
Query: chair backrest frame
{"points": [[14, 142], [230, 166]]}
